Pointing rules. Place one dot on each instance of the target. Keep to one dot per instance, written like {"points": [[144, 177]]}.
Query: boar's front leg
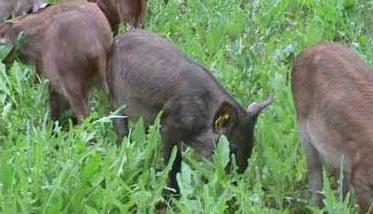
{"points": [[362, 181], [121, 126], [169, 143], [9, 59], [314, 167], [176, 165], [7, 67]]}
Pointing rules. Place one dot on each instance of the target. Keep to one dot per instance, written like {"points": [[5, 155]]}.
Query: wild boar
{"points": [[124, 11], [333, 95], [9, 8], [69, 44], [148, 75], [35, 26]]}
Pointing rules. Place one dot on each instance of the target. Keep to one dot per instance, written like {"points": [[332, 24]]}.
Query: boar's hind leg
{"points": [[121, 126], [77, 95], [57, 104], [362, 181], [314, 166]]}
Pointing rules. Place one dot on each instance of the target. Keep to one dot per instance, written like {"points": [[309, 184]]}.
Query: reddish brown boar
{"points": [[147, 75], [78, 57], [35, 26], [9, 8], [69, 44], [333, 95], [124, 11]]}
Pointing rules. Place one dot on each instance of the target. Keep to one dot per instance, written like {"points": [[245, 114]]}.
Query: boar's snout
{"points": [[7, 32], [241, 145], [241, 138], [241, 150]]}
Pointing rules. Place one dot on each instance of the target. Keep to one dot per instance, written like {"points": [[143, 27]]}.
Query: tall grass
{"points": [[46, 167]]}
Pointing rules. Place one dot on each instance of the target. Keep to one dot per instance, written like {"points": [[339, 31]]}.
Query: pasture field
{"points": [[49, 167]]}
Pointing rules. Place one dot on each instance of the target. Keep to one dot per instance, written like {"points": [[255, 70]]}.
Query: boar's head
{"points": [[8, 37], [228, 118], [241, 134], [8, 34]]}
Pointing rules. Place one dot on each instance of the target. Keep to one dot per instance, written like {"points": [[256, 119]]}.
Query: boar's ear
{"points": [[255, 108], [224, 117]]}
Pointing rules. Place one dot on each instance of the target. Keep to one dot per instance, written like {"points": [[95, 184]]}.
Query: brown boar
{"points": [[333, 94], [69, 44], [35, 26], [148, 75], [9, 8], [78, 57], [124, 11]]}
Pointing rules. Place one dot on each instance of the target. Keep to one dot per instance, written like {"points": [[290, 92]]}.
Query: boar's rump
{"points": [[333, 95], [148, 75]]}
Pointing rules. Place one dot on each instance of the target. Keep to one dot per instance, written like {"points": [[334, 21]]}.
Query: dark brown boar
{"points": [[148, 75], [333, 94], [124, 12], [9, 8], [69, 44]]}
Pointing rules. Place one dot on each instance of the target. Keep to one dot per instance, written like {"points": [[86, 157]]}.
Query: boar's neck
{"points": [[221, 95]]}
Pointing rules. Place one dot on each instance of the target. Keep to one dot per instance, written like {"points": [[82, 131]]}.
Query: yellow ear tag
{"points": [[221, 120]]}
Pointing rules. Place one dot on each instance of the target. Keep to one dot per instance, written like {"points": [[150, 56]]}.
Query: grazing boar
{"points": [[35, 26], [148, 75], [333, 94], [69, 44], [9, 8], [124, 11]]}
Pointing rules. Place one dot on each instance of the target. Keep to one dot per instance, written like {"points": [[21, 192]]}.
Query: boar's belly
{"points": [[329, 145], [136, 108]]}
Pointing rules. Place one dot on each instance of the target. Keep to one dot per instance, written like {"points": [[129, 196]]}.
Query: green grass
{"points": [[46, 167]]}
